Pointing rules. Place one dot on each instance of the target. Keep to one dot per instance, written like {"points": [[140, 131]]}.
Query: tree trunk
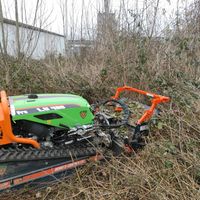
{"points": [[2, 31], [17, 30]]}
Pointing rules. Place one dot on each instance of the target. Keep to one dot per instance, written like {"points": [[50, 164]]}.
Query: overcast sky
{"points": [[51, 12]]}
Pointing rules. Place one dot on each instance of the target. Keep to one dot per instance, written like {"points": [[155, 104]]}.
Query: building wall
{"points": [[33, 43]]}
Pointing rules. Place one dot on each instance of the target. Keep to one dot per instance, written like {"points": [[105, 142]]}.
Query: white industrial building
{"points": [[34, 42]]}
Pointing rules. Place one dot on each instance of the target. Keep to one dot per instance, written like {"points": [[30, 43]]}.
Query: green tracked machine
{"points": [[47, 117], [46, 135]]}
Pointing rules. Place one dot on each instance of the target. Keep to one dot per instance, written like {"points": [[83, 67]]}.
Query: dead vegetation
{"points": [[169, 166]]}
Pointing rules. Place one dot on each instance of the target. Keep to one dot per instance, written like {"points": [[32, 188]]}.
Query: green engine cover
{"points": [[52, 109]]}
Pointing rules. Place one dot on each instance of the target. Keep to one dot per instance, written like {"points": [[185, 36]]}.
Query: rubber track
{"points": [[30, 154]]}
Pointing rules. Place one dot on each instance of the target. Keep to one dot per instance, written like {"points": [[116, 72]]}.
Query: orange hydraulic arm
{"points": [[6, 134], [156, 99]]}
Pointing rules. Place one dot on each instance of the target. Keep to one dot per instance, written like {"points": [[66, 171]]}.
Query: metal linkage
{"points": [[126, 114]]}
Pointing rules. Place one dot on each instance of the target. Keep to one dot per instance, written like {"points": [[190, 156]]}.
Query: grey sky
{"points": [[51, 14]]}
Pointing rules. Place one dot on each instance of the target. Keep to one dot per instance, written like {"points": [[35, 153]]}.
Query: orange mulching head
{"points": [[156, 99]]}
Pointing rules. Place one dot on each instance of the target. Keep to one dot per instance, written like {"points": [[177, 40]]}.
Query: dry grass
{"points": [[169, 166]]}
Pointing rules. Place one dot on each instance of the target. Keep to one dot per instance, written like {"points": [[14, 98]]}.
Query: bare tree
{"points": [[17, 30], [29, 38], [65, 24], [2, 30], [82, 11], [154, 18]]}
